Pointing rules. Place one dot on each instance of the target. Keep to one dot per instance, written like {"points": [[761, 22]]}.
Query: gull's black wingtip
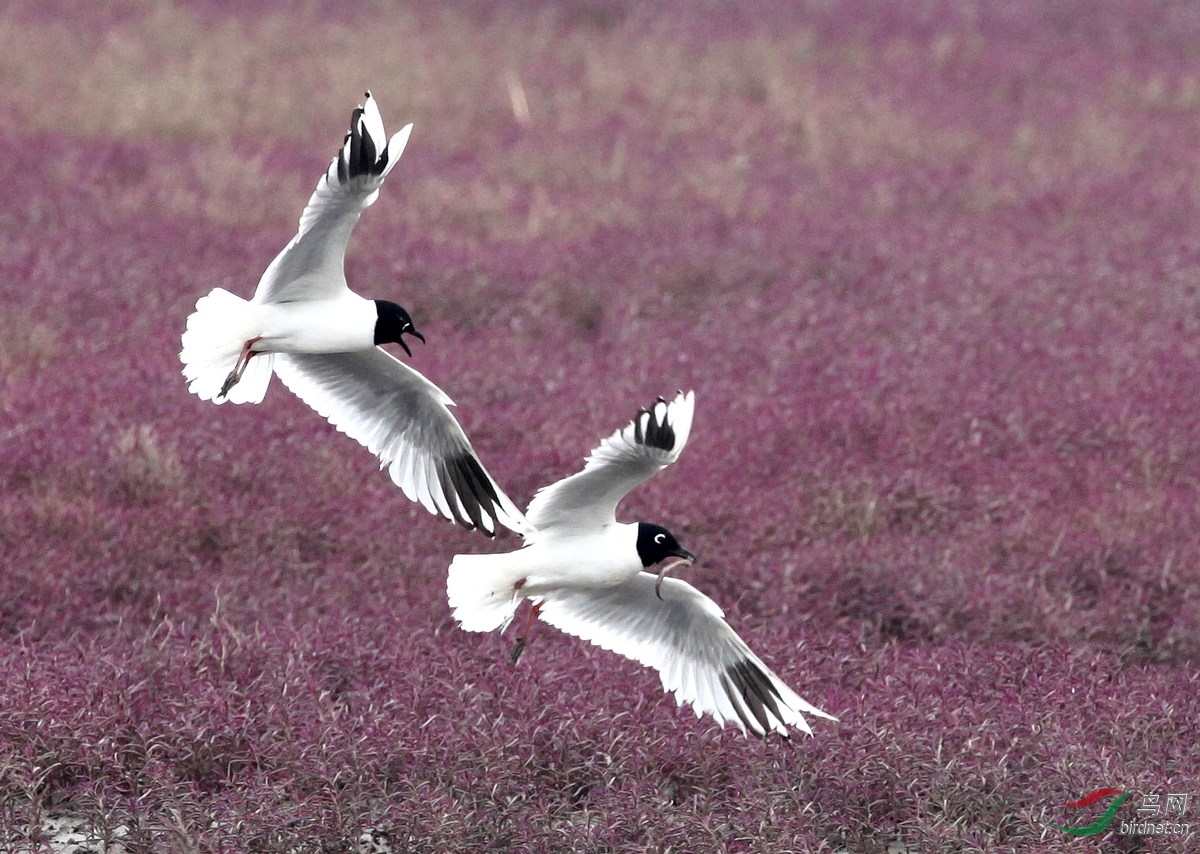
{"points": [[343, 169], [464, 477], [357, 158], [649, 431], [361, 153], [746, 681]]}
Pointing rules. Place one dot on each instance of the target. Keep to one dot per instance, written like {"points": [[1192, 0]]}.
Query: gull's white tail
{"points": [[216, 332], [484, 590]]}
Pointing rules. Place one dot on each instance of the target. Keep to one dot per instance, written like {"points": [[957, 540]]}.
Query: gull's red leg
{"points": [[526, 633], [240, 368]]}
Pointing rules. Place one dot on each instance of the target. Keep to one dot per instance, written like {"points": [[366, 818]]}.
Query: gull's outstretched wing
{"points": [[685, 638], [405, 420], [310, 267], [588, 499]]}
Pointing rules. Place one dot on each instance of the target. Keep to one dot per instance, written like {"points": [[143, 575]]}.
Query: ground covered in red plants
{"points": [[933, 275]]}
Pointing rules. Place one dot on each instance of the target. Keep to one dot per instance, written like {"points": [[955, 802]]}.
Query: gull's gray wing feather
{"points": [[405, 420], [685, 638], [311, 266], [588, 499]]}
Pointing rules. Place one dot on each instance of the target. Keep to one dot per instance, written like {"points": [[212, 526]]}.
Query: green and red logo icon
{"points": [[1101, 824]]}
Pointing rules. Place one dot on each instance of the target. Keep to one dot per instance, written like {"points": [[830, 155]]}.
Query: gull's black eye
{"points": [[660, 538]]}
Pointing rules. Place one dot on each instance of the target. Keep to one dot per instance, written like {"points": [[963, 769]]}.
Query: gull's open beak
{"points": [[415, 334], [683, 558]]}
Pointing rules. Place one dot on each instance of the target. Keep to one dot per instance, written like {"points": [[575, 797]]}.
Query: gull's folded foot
{"points": [[526, 632], [240, 368], [518, 648], [230, 382]]}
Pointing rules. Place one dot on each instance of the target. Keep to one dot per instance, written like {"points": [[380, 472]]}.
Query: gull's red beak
{"points": [[682, 558]]}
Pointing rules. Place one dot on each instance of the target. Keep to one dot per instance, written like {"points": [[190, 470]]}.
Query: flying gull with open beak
{"points": [[324, 342], [586, 574]]}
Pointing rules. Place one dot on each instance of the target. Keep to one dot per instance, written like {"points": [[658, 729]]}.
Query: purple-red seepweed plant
{"points": [[933, 273]]}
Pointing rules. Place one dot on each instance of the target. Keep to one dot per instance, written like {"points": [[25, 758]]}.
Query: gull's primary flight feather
{"points": [[310, 267], [627, 458], [683, 636], [402, 418]]}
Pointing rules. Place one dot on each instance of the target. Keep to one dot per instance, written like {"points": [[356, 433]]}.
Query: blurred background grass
{"points": [[930, 268], [587, 80]]}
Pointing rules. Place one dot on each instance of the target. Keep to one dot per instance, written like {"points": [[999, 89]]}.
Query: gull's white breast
{"points": [[599, 559], [342, 324]]}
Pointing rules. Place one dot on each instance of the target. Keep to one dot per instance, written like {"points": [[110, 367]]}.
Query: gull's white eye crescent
{"points": [[660, 538]]}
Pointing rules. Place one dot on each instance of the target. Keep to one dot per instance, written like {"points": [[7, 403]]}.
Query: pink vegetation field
{"points": [[933, 274]]}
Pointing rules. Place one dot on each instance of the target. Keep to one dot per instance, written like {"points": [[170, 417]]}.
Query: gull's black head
{"points": [[655, 543], [391, 322]]}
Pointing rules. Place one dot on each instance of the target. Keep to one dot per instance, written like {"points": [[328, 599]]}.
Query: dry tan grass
{"points": [[147, 466], [53, 510], [25, 344]]}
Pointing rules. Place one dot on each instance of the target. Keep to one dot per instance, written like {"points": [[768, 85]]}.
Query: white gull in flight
{"points": [[323, 340], [585, 574]]}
